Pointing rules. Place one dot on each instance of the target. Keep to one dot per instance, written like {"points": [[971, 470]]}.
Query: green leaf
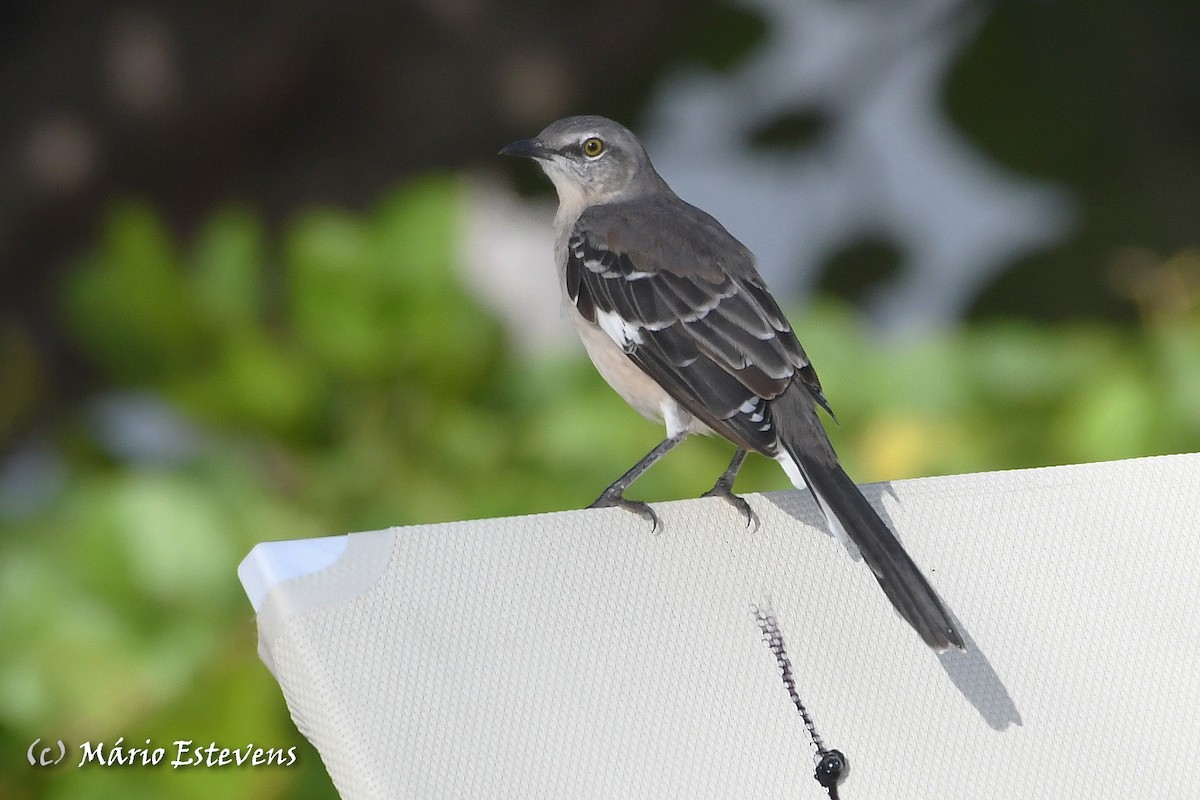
{"points": [[129, 303], [229, 256]]}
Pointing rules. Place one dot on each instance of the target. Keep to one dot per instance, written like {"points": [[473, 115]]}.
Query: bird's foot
{"points": [[616, 500], [737, 501]]}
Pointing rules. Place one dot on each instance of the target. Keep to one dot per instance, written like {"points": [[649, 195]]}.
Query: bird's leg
{"points": [[614, 495], [724, 488]]}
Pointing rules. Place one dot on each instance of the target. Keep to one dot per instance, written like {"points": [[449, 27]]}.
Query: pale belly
{"points": [[642, 394]]}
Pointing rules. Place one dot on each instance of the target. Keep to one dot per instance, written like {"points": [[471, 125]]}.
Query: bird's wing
{"points": [[691, 311]]}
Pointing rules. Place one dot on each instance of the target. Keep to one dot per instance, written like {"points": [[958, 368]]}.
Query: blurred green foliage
{"points": [[338, 378]]}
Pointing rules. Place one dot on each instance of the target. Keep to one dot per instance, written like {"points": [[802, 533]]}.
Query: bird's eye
{"points": [[592, 147]]}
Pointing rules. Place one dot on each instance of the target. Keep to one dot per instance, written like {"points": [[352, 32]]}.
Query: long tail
{"points": [[809, 460]]}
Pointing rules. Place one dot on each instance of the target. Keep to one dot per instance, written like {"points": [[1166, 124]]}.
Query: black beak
{"points": [[526, 148]]}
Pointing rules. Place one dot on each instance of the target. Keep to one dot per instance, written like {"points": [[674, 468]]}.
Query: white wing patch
{"points": [[623, 332], [755, 411]]}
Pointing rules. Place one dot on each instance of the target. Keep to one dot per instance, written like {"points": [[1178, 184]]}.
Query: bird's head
{"points": [[590, 160]]}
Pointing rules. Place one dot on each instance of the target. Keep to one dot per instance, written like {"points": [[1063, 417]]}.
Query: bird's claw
{"points": [[738, 502], [636, 506]]}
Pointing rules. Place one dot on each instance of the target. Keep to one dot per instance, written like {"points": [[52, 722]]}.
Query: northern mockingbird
{"points": [[677, 319]]}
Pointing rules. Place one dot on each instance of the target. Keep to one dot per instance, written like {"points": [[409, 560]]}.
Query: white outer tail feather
{"points": [[796, 475]]}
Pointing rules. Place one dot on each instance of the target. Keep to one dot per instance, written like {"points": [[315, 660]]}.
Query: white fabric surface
{"points": [[577, 655], [271, 563]]}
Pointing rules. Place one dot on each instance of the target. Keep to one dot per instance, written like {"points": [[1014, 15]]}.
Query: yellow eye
{"points": [[592, 147]]}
